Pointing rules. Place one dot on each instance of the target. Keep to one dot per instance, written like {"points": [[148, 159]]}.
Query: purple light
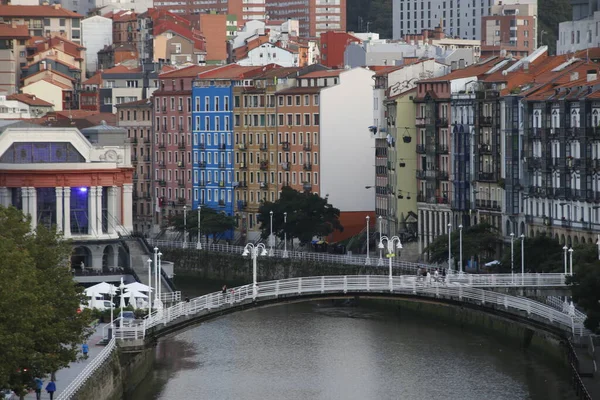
{"points": [[83, 189]]}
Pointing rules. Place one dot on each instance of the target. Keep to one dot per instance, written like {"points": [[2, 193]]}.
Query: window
{"points": [[62, 22], [316, 119], [226, 105], [217, 103]]}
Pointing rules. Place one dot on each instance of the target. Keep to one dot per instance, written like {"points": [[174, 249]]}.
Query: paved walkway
{"points": [[66, 375]]}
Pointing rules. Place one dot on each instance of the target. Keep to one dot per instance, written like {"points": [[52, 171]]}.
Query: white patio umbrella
{"points": [[92, 302], [100, 288], [138, 287]]}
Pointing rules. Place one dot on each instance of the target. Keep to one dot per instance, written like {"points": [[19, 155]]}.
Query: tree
{"points": [[480, 241], [586, 283], [308, 215], [542, 254], [212, 222], [40, 329]]}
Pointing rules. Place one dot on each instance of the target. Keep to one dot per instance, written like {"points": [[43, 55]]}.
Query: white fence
{"points": [[88, 371], [357, 284]]}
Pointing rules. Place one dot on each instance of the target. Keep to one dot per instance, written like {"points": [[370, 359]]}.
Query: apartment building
{"points": [[315, 16], [258, 163], [22, 106], [173, 128], [245, 10], [125, 84], [96, 32], [13, 39], [136, 118], [44, 20], [511, 28], [124, 27]]}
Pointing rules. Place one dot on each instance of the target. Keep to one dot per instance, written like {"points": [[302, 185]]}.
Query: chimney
{"points": [[592, 75], [57, 6]]}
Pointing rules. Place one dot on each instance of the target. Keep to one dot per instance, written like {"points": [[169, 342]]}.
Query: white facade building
{"points": [[346, 145], [268, 53], [96, 33]]}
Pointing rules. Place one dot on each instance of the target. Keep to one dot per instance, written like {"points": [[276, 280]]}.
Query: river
{"points": [[321, 351]]}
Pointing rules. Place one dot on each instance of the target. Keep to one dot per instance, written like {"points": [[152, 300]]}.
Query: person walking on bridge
{"points": [[39, 385], [51, 388]]}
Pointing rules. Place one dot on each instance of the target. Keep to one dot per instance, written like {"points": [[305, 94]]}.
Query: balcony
{"points": [[180, 109], [573, 163], [535, 162], [242, 146], [485, 149], [264, 165], [243, 166], [222, 165], [307, 166], [181, 183], [162, 145], [441, 122], [486, 177], [488, 205], [264, 185], [180, 128], [181, 201], [442, 149], [422, 121], [442, 175], [263, 147], [202, 164], [181, 145], [180, 164], [201, 145], [147, 140], [421, 174], [223, 146], [162, 183], [307, 186], [573, 132], [307, 147], [242, 184], [535, 133], [146, 196], [421, 149], [202, 183], [161, 165], [221, 183], [242, 204], [285, 166], [164, 109], [134, 140], [285, 146], [485, 121], [221, 203], [593, 133]]}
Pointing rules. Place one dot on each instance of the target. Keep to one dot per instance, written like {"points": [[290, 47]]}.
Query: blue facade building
{"points": [[212, 148]]}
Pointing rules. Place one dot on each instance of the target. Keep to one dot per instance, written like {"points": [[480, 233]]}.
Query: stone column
{"points": [[25, 200], [430, 228], [111, 214], [115, 256], [59, 209], [99, 210], [420, 230], [127, 207], [67, 211], [33, 207], [4, 196], [92, 211]]}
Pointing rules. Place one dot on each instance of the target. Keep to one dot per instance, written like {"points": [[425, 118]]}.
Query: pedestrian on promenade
{"points": [[39, 385], [51, 388], [85, 349], [224, 289]]}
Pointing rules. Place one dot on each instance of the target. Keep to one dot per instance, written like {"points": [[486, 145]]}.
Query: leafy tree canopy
{"points": [[480, 241], [542, 254], [308, 215], [212, 222], [586, 283], [40, 327]]}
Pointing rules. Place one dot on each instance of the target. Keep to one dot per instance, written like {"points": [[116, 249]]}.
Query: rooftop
{"points": [[324, 74], [54, 10], [187, 72], [136, 103], [8, 31], [235, 71], [30, 99]]}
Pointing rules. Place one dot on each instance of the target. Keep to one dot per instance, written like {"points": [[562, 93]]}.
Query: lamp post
{"points": [[522, 258], [285, 253], [253, 251], [199, 243], [460, 227], [155, 275], [391, 253], [158, 282], [380, 262], [184, 227], [122, 289], [512, 256], [571, 261], [368, 260], [565, 249], [449, 249], [149, 261], [111, 292], [271, 235]]}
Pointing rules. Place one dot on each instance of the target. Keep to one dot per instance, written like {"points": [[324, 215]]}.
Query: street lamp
{"points": [[199, 242], [380, 262], [149, 261], [285, 253], [271, 235], [565, 249], [253, 251], [184, 227], [449, 249], [368, 260], [158, 299], [155, 276], [111, 292], [460, 248], [571, 261], [512, 255], [391, 253], [122, 289], [522, 257]]}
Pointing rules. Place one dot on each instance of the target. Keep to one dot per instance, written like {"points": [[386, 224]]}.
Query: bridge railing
{"points": [[300, 255], [88, 371], [406, 284]]}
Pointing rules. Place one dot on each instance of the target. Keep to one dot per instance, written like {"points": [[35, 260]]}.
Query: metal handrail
{"points": [[357, 283], [88, 371]]}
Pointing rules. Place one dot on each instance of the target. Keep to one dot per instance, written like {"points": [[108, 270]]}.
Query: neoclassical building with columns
{"points": [[77, 181]]}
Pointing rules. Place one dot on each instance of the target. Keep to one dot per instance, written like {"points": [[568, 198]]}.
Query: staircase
{"points": [[138, 258]]}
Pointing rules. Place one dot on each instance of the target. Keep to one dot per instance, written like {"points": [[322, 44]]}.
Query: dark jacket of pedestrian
{"points": [[51, 388]]}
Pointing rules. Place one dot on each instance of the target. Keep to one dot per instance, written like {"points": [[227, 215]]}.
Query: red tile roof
{"points": [[187, 72], [7, 31], [37, 11], [94, 80], [122, 69], [235, 71], [51, 71], [30, 99], [55, 83], [323, 74]]}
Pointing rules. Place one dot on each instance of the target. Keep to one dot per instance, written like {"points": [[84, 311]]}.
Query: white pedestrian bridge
{"points": [[458, 289]]}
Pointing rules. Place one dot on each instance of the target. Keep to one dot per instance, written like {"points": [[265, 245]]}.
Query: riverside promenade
{"points": [[66, 375]]}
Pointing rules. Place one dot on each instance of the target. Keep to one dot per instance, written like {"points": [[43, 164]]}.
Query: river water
{"points": [[322, 351]]}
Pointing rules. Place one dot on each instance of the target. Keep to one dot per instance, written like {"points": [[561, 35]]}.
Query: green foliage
{"points": [[308, 215], [212, 222], [40, 328], [542, 254], [586, 283], [480, 241], [551, 13]]}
